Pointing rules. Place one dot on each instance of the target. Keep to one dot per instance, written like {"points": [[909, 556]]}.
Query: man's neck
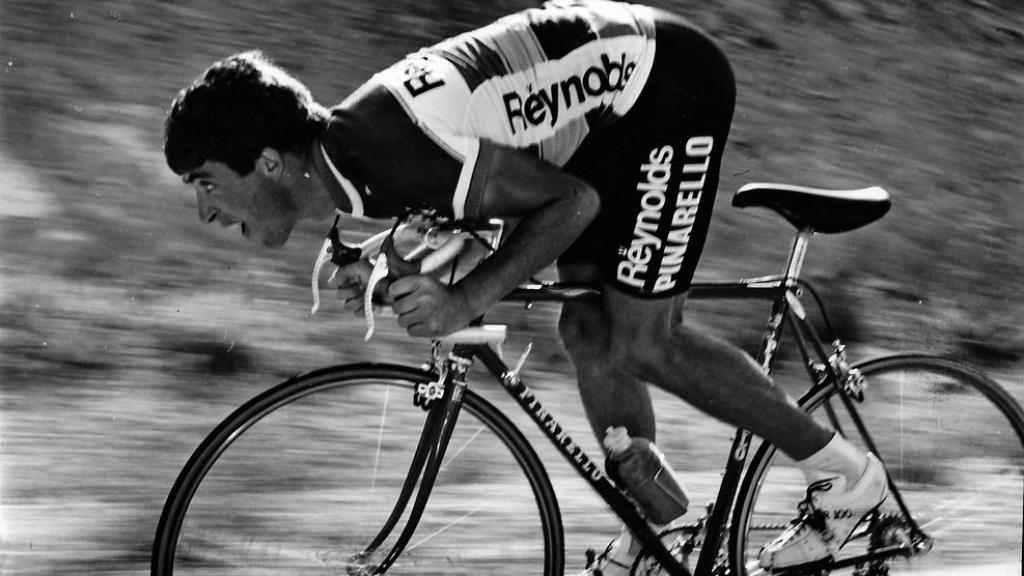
{"points": [[340, 190], [310, 192]]}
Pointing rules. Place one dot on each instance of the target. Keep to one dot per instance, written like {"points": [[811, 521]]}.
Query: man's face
{"points": [[258, 203]]}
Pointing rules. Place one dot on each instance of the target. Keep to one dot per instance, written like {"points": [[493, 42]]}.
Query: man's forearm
{"points": [[537, 240]]}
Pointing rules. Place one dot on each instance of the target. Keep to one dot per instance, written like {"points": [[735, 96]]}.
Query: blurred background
{"points": [[128, 329]]}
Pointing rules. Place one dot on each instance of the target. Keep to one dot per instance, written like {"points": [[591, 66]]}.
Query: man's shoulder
{"points": [[369, 104], [391, 158], [366, 122]]}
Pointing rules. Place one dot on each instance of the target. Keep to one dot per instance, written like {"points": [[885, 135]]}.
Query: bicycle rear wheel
{"points": [[952, 441], [302, 478]]}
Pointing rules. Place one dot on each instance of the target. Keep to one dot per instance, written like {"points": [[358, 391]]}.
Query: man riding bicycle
{"points": [[598, 128]]}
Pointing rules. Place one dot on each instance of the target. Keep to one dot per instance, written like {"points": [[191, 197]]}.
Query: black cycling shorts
{"points": [[656, 169]]}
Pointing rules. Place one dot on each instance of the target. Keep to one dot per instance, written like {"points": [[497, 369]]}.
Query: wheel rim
{"points": [[956, 458], [309, 484]]}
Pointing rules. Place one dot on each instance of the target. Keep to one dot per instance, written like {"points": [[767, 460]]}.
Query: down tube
{"points": [[572, 452]]}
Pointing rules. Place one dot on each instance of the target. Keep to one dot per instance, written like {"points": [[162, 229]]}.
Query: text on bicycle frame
{"points": [[524, 395]]}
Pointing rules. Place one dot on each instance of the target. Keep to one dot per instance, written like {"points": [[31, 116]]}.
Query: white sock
{"points": [[839, 456]]}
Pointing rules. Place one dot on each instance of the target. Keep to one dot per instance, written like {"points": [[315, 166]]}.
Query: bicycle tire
{"points": [[952, 440], [249, 502]]}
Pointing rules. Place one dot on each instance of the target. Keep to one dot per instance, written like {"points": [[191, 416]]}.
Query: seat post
{"points": [[796, 255]]}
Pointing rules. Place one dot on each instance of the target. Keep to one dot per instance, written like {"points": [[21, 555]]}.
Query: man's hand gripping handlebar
{"points": [[366, 271]]}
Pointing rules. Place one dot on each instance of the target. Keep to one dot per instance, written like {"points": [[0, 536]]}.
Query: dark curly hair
{"points": [[236, 108]]}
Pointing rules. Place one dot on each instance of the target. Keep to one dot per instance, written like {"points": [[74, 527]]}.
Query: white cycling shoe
{"points": [[828, 516], [620, 557]]}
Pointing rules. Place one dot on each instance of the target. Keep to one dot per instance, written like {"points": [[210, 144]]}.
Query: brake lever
{"points": [[342, 254]]}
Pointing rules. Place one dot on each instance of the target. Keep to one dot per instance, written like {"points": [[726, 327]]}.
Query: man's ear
{"points": [[270, 163]]}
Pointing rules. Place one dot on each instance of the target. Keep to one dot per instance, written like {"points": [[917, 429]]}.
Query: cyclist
{"points": [[598, 127]]}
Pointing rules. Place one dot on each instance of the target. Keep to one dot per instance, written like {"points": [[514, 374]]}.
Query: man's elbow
{"points": [[587, 204]]}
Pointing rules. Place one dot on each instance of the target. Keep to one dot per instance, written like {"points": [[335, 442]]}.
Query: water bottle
{"points": [[639, 467]]}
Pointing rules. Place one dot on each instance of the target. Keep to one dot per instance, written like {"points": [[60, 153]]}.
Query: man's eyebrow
{"points": [[192, 176]]}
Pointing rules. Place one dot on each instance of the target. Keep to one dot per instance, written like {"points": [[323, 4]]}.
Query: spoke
{"points": [[479, 489], [953, 510], [380, 442], [465, 444], [448, 525], [903, 421]]}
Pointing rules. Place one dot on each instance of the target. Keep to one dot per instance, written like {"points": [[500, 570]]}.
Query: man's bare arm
{"points": [[552, 207]]}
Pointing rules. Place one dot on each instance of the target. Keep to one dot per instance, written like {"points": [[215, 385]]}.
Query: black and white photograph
{"points": [[562, 288]]}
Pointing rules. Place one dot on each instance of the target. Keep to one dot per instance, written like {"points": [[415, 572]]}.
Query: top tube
{"points": [[768, 287]]}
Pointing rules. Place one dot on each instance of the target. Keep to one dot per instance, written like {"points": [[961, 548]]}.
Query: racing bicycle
{"points": [[375, 468]]}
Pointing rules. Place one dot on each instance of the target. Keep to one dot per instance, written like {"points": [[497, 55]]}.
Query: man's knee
{"points": [[639, 354], [582, 327]]}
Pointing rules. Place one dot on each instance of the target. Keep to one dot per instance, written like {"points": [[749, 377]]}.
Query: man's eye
{"points": [[207, 186]]}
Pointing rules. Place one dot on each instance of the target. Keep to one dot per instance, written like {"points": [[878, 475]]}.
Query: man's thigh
{"points": [[579, 271], [626, 312], [639, 322], [582, 322]]}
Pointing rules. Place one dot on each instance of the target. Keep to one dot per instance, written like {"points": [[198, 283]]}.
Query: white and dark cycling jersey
{"points": [[633, 100]]}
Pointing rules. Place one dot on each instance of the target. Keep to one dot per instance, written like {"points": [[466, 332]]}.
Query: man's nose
{"points": [[206, 212]]}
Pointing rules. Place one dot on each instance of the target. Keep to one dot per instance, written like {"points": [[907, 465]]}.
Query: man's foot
{"points": [[619, 558], [828, 516]]}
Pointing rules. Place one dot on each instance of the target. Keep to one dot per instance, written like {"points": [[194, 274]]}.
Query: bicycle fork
{"points": [[442, 415]]}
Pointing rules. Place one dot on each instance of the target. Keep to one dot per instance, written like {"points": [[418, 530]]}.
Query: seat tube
{"points": [[796, 255], [741, 442]]}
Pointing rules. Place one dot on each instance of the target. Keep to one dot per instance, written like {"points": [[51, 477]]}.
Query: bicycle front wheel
{"points": [[301, 480], [952, 441]]}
